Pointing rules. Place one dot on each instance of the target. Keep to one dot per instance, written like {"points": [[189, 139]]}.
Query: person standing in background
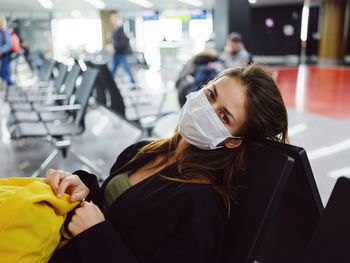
{"points": [[5, 54], [121, 46], [234, 55]]}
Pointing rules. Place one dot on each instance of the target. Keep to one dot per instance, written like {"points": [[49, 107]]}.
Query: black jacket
{"points": [[156, 220], [121, 42]]}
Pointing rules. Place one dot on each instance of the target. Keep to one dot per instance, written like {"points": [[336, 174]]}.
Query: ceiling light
{"points": [[143, 3], [97, 3], [46, 3], [252, 1], [193, 2]]}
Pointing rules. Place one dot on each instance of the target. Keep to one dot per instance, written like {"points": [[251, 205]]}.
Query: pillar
{"points": [[107, 29], [333, 35]]}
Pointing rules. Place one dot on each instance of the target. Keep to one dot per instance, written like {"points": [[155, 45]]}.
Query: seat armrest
{"points": [[42, 83], [49, 97], [60, 108]]}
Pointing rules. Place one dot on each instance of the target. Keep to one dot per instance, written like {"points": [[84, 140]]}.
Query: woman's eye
{"points": [[210, 94], [224, 117]]}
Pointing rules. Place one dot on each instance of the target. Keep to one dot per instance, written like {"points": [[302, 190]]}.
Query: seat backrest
{"points": [[83, 92], [262, 185], [113, 93], [69, 83], [46, 70], [331, 239], [297, 213], [62, 72], [99, 91], [107, 92], [82, 95]]}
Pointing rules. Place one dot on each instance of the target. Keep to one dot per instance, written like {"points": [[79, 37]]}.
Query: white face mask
{"points": [[199, 125]]}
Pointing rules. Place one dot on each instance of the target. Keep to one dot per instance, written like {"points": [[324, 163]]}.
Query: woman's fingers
{"points": [[77, 196], [63, 182], [86, 216], [63, 186], [54, 178]]}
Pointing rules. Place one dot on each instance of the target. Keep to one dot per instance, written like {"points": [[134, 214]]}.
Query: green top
{"points": [[115, 187]]}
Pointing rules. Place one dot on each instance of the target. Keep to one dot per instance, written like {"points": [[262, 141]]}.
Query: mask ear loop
{"points": [[222, 144]]}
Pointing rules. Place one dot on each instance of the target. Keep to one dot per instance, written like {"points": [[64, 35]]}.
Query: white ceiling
{"points": [[283, 2], [68, 5]]}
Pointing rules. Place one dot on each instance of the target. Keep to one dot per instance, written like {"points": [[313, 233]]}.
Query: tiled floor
{"points": [[321, 90], [319, 118]]}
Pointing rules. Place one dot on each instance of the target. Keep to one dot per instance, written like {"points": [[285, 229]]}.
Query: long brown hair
{"points": [[220, 168]]}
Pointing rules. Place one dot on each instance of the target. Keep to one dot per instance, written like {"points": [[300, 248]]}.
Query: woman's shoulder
{"points": [[135, 147]]}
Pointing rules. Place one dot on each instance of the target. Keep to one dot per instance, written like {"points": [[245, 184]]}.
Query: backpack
{"points": [[31, 220], [15, 46], [122, 46]]}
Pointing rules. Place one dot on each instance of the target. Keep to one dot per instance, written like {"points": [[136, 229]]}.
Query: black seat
{"points": [[15, 93], [34, 110], [297, 214], [267, 173], [331, 238], [40, 96], [61, 133]]}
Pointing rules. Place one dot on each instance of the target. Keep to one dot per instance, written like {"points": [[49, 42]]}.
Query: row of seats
{"points": [[279, 216], [53, 112], [56, 112]]}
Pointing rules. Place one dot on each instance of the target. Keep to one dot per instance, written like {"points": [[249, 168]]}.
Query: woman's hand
{"points": [[85, 217], [63, 182]]}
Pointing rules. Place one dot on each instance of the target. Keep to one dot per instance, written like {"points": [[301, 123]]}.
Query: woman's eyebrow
{"points": [[225, 109], [215, 91]]}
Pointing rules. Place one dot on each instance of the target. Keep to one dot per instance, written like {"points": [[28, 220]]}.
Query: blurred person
{"points": [[184, 82], [35, 62], [169, 200], [234, 55], [121, 46], [26, 53], [15, 50], [5, 51]]}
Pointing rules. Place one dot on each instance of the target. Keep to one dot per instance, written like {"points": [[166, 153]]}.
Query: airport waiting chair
{"points": [[15, 93], [297, 214], [260, 191], [331, 239], [293, 222], [137, 60], [23, 101], [61, 134], [275, 217], [32, 111], [109, 96]]}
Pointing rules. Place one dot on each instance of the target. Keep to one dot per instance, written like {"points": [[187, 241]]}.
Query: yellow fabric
{"points": [[31, 217]]}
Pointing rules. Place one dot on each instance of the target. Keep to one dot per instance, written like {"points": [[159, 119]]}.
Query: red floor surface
{"points": [[316, 89]]}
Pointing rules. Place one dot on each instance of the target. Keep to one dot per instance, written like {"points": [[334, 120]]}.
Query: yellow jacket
{"points": [[31, 217]]}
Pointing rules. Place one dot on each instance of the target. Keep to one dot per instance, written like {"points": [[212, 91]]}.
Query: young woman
{"points": [[168, 200]]}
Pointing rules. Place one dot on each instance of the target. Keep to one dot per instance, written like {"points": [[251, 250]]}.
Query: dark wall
{"points": [[312, 42], [347, 47], [258, 38]]}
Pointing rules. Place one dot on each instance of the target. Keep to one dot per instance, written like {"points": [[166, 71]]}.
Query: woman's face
{"points": [[228, 98]]}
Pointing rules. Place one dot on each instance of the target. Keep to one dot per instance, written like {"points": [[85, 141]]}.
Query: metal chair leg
{"points": [[48, 160], [87, 162]]}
